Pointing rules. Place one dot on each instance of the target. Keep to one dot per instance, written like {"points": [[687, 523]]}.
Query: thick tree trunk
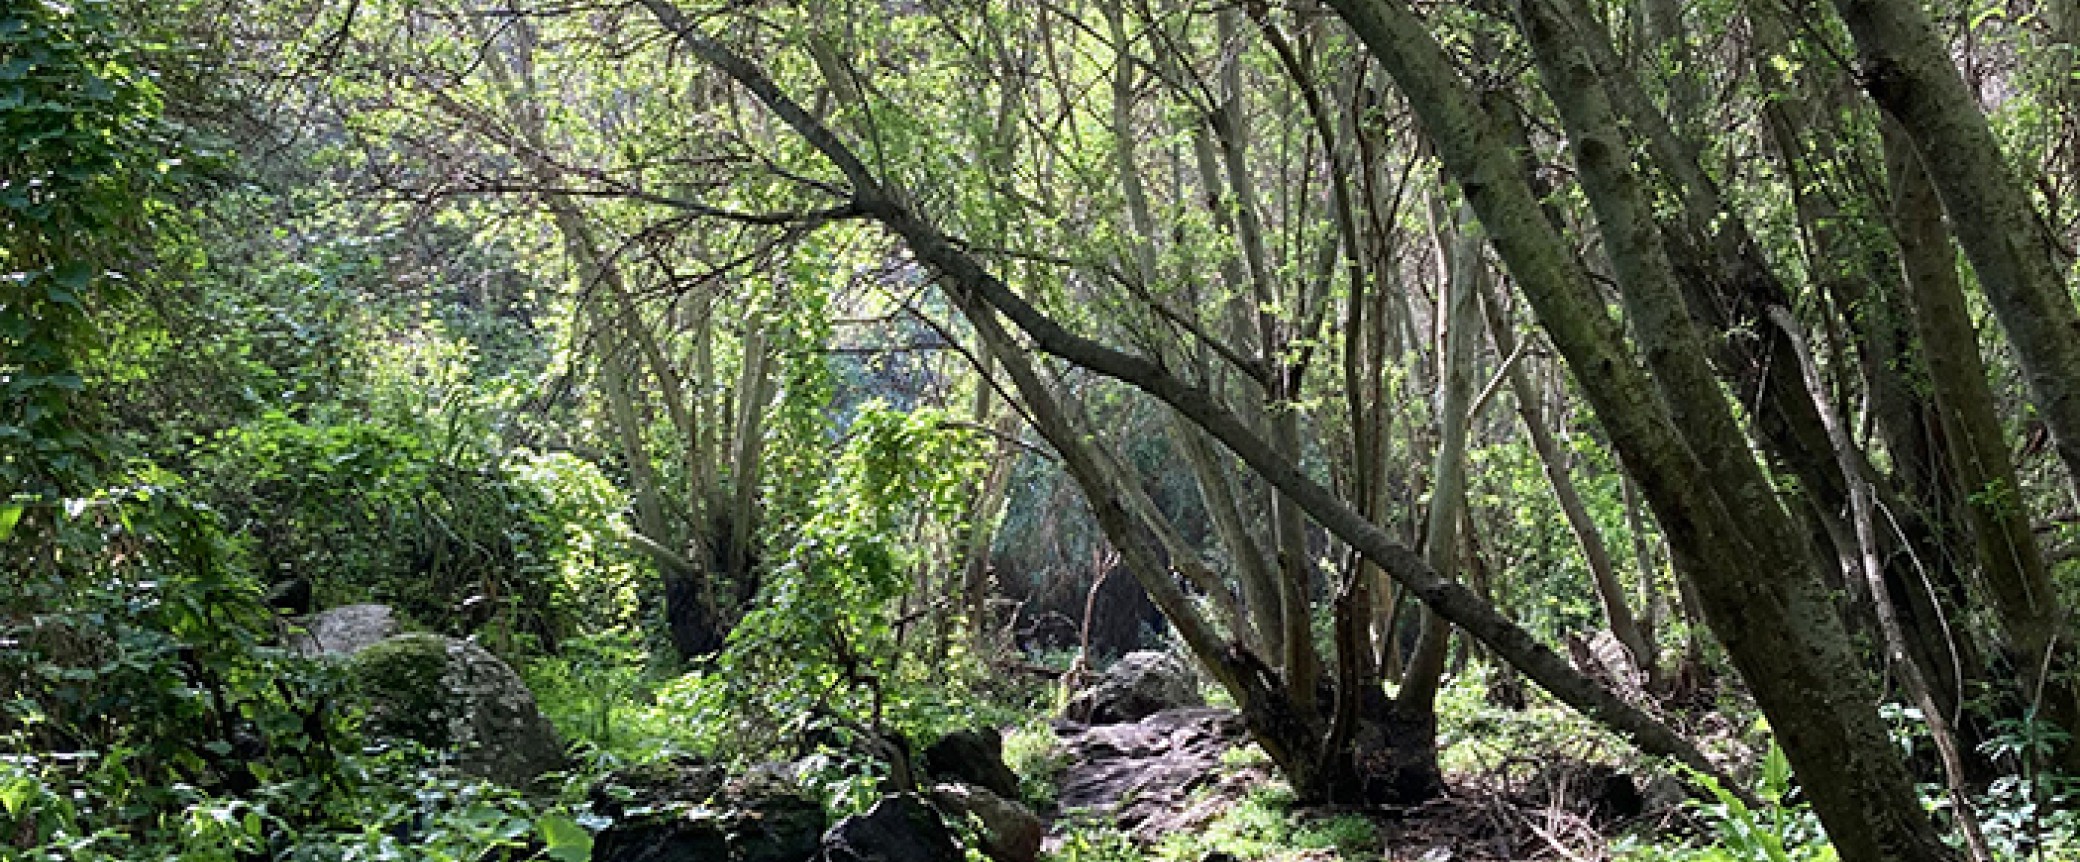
{"points": [[1908, 71], [1752, 572], [2011, 566]]}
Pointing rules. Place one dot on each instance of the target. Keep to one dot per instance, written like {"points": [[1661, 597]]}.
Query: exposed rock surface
{"points": [[1603, 657], [1142, 775], [1140, 684], [973, 756], [899, 828], [685, 811], [1010, 832], [455, 695], [343, 630]]}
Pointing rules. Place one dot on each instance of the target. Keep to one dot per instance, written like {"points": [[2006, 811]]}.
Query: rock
{"points": [[343, 630], [686, 811], [899, 828], [1010, 832], [975, 757], [1142, 776], [455, 695], [1140, 684], [1603, 657]]}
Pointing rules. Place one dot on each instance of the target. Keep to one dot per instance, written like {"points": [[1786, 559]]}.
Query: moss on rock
{"points": [[398, 681], [455, 696]]}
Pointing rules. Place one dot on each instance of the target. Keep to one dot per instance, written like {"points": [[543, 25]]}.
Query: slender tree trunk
{"points": [[1867, 565], [1465, 273], [1610, 592]]}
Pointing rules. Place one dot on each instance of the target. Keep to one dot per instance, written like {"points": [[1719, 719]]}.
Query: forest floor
{"points": [[1186, 785]]}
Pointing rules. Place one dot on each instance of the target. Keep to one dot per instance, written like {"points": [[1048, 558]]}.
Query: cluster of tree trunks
{"points": [[1709, 331]]}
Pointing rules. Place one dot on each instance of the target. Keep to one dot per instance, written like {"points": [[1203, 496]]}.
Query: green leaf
{"points": [[10, 515], [566, 840], [17, 793], [1776, 774], [75, 275]]}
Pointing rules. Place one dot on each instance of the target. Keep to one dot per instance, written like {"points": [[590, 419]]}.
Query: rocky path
{"points": [[1152, 777]]}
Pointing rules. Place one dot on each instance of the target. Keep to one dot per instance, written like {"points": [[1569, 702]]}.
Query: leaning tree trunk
{"points": [[2011, 565], [1753, 573], [1603, 572], [1908, 71], [1296, 740]]}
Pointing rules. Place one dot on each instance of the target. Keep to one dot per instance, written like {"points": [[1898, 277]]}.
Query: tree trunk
{"points": [[1603, 573], [2011, 567], [1464, 272], [1753, 573], [1908, 71]]}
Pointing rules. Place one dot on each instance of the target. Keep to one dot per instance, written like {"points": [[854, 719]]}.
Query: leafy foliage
{"points": [[830, 643], [373, 512], [83, 171]]}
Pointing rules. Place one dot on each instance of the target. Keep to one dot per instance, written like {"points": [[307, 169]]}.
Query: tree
{"points": [[1313, 748]]}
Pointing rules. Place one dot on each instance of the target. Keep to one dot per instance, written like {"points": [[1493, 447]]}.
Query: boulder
{"points": [[343, 630], [899, 828], [1009, 832], [455, 696], [975, 757], [1139, 685], [1145, 776], [687, 811], [1603, 657]]}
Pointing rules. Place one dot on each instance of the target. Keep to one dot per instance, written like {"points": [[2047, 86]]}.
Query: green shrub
{"points": [[1036, 756]]}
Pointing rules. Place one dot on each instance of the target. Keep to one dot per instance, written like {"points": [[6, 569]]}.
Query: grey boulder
{"points": [[1137, 686], [455, 696], [1008, 831], [343, 631]]}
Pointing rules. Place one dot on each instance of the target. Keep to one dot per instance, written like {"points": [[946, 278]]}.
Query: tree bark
{"points": [[1753, 574], [2011, 566], [1907, 70]]}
